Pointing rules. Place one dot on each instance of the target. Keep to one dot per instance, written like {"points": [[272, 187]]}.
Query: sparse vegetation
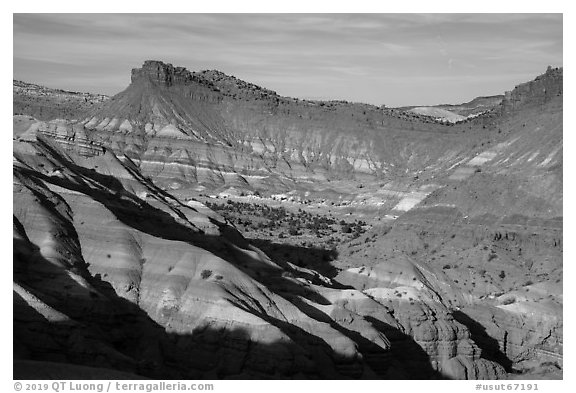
{"points": [[300, 262], [260, 217]]}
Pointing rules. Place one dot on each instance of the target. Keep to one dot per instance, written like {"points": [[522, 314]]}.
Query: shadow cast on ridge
{"points": [[128, 339], [407, 353], [108, 333], [315, 258], [489, 345]]}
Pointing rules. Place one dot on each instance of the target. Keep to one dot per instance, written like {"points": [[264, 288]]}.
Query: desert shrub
{"points": [[492, 256], [502, 275], [292, 231], [205, 274], [509, 300]]}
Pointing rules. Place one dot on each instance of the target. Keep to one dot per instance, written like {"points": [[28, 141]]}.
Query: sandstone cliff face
{"points": [[541, 90]]}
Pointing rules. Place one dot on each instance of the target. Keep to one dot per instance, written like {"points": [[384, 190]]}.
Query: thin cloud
{"points": [[376, 58]]}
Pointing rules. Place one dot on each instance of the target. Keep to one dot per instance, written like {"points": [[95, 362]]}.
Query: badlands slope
{"points": [[112, 272], [489, 241], [118, 265]]}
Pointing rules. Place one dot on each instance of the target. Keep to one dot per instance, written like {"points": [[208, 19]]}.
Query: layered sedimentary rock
{"points": [[112, 271], [431, 338], [177, 277], [539, 91], [206, 128], [487, 244]]}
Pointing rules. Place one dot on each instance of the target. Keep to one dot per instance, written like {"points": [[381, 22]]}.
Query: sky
{"points": [[381, 59]]}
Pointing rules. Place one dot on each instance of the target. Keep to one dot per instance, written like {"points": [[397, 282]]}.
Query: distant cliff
{"points": [[187, 128], [536, 92], [46, 104]]}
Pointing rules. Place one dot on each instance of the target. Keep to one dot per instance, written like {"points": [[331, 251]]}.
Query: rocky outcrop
{"points": [[541, 90], [163, 74], [428, 339], [529, 335]]}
